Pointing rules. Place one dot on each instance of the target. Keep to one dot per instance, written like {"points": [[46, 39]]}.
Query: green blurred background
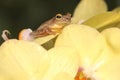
{"points": [[18, 14]]}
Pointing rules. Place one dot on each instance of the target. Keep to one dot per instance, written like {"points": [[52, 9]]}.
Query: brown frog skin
{"points": [[52, 26]]}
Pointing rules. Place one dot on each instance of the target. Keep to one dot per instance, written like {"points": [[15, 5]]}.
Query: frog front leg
{"points": [[49, 31], [42, 32]]}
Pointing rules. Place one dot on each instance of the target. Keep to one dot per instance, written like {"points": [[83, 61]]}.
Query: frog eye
{"points": [[58, 16]]}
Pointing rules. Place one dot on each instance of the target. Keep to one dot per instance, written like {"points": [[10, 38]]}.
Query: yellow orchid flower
{"points": [[99, 52], [77, 47], [80, 52], [23, 60]]}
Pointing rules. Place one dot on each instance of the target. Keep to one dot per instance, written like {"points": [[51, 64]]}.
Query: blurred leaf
{"points": [[49, 44], [103, 20], [43, 40], [117, 9]]}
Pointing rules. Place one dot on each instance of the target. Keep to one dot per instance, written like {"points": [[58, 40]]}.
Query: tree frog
{"points": [[52, 26]]}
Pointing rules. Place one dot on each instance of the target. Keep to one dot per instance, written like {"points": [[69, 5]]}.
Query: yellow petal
{"points": [[88, 42], [23, 60], [87, 9], [109, 70], [106, 66], [63, 76], [62, 60], [112, 36]]}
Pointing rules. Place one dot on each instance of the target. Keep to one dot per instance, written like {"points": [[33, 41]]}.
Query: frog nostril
{"points": [[67, 18]]}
